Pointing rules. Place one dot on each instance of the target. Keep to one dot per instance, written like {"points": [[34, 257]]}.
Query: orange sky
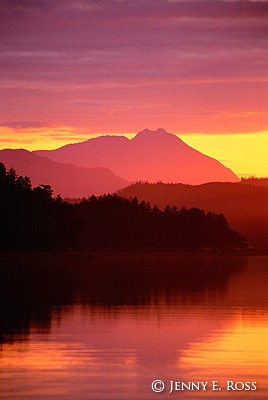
{"points": [[72, 70]]}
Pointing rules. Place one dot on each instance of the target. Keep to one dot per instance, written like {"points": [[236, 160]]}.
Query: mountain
{"points": [[245, 206], [65, 179], [150, 156]]}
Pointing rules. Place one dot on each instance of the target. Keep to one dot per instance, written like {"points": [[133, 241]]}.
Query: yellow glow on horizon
{"points": [[46, 138], [38, 138], [245, 154]]}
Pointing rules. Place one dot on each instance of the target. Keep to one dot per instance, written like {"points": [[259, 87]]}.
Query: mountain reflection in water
{"points": [[104, 326]]}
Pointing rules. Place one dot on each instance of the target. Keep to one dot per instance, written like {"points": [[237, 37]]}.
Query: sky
{"points": [[75, 69]]}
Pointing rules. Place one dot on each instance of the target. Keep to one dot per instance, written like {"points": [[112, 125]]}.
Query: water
{"points": [[78, 326]]}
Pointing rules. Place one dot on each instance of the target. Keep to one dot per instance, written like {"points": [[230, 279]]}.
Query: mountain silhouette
{"points": [[150, 156], [65, 179], [245, 206]]}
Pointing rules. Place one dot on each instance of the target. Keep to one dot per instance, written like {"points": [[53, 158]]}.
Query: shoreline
{"points": [[137, 253]]}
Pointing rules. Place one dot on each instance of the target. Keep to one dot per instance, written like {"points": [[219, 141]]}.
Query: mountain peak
{"points": [[151, 135]]}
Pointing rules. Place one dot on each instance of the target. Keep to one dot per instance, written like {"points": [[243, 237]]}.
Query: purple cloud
{"points": [[23, 124], [108, 51]]}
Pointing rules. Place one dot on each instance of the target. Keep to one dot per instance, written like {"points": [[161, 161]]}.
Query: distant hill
{"points": [[65, 179], [245, 206], [150, 156], [255, 181]]}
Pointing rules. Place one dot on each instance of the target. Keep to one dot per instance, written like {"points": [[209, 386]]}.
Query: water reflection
{"points": [[33, 284], [79, 326]]}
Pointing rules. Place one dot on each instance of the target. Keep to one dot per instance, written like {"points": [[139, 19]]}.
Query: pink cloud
{"points": [[121, 56]]}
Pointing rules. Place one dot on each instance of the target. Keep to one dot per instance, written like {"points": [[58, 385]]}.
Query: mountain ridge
{"points": [[67, 180], [149, 156], [244, 206]]}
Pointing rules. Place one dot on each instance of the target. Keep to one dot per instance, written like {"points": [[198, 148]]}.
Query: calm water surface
{"points": [[77, 326]]}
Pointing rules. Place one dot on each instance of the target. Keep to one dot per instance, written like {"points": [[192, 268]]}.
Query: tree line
{"points": [[32, 219], [252, 180]]}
